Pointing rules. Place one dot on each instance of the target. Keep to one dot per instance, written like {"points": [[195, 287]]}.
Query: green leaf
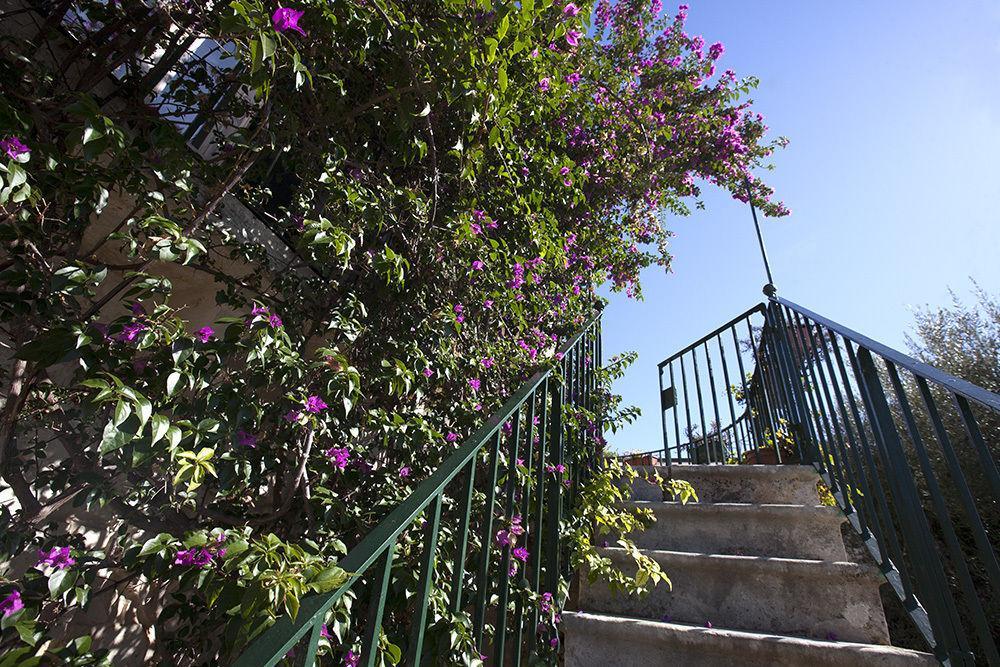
{"points": [[156, 544], [174, 436], [143, 409], [329, 579], [267, 46], [48, 348], [61, 581], [159, 428], [172, 381], [122, 412], [503, 27]]}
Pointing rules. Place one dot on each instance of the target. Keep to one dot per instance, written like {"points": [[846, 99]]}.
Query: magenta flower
{"points": [[292, 416], [244, 439], [474, 383], [543, 85], [487, 362], [197, 557], [488, 304], [521, 554], [339, 456], [315, 404], [478, 214], [564, 171], [502, 538], [573, 78], [258, 310], [451, 437], [56, 557], [131, 331], [459, 308], [274, 321], [404, 472], [554, 642], [325, 633], [568, 182], [716, 50], [11, 604], [352, 659], [545, 604], [205, 334], [571, 10], [428, 372], [286, 18], [573, 37], [478, 265], [13, 147]]}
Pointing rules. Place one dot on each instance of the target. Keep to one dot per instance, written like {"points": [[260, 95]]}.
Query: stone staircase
{"points": [[760, 577]]}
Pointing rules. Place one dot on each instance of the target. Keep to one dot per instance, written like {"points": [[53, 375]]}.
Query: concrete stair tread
{"points": [[613, 640], [754, 593], [793, 484], [804, 566]]}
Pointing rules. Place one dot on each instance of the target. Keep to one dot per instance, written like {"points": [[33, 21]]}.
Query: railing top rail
{"points": [[266, 649], [950, 382], [759, 308]]}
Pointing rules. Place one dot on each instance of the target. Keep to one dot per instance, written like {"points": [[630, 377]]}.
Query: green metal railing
{"points": [[527, 435], [909, 453]]}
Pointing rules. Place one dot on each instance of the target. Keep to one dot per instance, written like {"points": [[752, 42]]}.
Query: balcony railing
{"points": [[908, 452], [521, 451]]}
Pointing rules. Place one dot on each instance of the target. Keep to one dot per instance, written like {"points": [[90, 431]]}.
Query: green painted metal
{"points": [[370, 561], [870, 420]]}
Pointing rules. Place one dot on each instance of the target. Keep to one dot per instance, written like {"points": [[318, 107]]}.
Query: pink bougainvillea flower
{"points": [[274, 321], [478, 214], [131, 331], [258, 310], [13, 147], [11, 604], [487, 362], [244, 439], [315, 404], [325, 633], [404, 471], [563, 171], [286, 18], [339, 456], [716, 50], [573, 37], [459, 308], [554, 642], [571, 10], [197, 557], [568, 182], [488, 304], [351, 659], [205, 334], [56, 557], [474, 383], [451, 437], [292, 416], [543, 84], [478, 265], [521, 554], [502, 538], [428, 372]]}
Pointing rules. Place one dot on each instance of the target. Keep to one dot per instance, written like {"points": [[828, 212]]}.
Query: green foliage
{"points": [[429, 219]]}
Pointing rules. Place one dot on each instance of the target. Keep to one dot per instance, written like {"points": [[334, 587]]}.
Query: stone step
{"points": [[738, 529], [615, 641], [808, 598], [791, 484]]}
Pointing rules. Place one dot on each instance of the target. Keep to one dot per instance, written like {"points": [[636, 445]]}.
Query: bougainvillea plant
{"points": [[197, 424]]}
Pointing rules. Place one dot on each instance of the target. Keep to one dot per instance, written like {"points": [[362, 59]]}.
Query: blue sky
{"points": [[892, 175]]}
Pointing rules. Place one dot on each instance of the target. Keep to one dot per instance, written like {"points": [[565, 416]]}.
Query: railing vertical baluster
{"points": [[760, 374], [989, 466], [797, 402], [729, 396], [500, 638], [930, 575], [701, 408], [486, 540], [426, 580], [890, 540], [943, 516], [525, 506], [458, 575], [677, 419], [862, 501], [687, 411], [376, 606], [540, 491], [715, 404], [554, 514], [986, 553], [822, 390], [309, 657]]}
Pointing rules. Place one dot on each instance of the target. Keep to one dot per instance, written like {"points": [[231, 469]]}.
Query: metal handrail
{"points": [[898, 443], [579, 356]]}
